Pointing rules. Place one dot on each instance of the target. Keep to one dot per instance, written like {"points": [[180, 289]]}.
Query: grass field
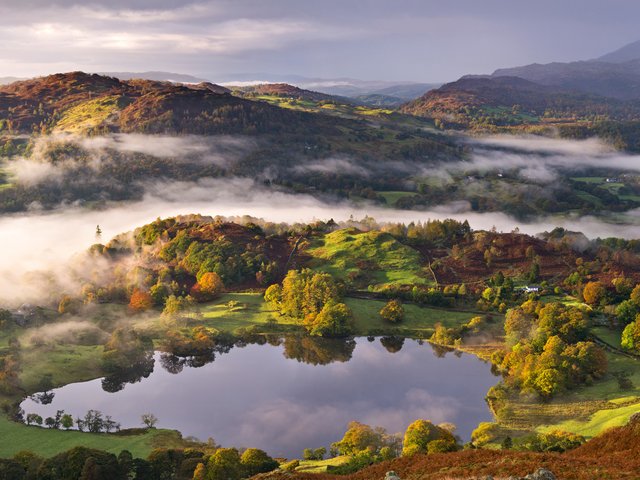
{"points": [[65, 364], [367, 258], [253, 311], [421, 319], [585, 411], [601, 420], [320, 466], [250, 310], [15, 437]]}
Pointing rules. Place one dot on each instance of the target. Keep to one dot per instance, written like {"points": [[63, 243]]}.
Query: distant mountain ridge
{"points": [[155, 75], [614, 75], [574, 93], [627, 53], [286, 90]]}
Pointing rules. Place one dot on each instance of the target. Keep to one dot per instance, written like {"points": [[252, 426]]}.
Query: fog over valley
{"points": [[46, 241]]}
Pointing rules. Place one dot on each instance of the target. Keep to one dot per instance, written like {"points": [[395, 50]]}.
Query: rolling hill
{"points": [[103, 104], [510, 100]]}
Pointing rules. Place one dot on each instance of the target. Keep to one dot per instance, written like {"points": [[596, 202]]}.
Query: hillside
{"points": [[142, 106], [507, 100], [610, 455], [286, 91]]}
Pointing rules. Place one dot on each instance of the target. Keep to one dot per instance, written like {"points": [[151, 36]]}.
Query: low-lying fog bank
{"points": [[45, 241]]}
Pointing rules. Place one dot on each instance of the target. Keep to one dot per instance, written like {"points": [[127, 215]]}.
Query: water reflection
{"points": [[318, 351], [253, 395]]}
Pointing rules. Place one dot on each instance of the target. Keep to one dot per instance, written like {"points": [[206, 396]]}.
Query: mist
{"points": [[46, 242], [52, 157], [539, 159]]}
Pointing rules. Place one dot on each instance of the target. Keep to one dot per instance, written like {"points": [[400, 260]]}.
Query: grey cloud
{"points": [[407, 39]]}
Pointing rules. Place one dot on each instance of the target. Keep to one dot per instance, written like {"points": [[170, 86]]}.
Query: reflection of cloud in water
{"points": [[255, 397]]}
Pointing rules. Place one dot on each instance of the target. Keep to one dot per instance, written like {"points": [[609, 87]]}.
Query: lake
{"points": [[294, 393]]}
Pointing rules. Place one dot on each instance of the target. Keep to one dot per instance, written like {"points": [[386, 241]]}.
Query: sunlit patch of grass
{"points": [[90, 114], [375, 256], [320, 466]]}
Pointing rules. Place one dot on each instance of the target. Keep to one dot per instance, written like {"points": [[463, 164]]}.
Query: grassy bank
{"points": [[48, 442]]}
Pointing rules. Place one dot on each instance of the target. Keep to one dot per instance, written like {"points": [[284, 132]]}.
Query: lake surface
{"points": [[300, 393]]}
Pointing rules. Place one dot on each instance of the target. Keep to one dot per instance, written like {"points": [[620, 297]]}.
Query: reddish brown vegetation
{"points": [[148, 106], [612, 455]]}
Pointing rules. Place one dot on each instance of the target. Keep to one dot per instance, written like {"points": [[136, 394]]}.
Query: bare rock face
{"points": [[541, 474]]}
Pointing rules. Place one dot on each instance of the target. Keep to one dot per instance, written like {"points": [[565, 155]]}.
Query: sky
{"points": [[397, 40]]}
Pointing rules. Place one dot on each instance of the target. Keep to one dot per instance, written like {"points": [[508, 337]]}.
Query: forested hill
{"points": [[504, 101], [84, 103]]}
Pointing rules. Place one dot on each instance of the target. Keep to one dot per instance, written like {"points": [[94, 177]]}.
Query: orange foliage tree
{"points": [[208, 287], [140, 301]]}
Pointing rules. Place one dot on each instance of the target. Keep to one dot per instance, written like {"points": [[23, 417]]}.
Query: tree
{"points": [[635, 295], [626, 312], [392, 312], [66, 421], [334, 320], [200, 473], [68, 305], [421, 433], [225, 464], [34, 418], [273, 295], [208, 287], [359, 438], [174, 305], [256, 461], [140, 301], [631, 336], [93, 421], [593, 293], [548, 382], [518, 325], [534, 272], [149, 419]]}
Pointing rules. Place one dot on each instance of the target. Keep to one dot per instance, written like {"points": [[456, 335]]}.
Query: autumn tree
{"points": [[224, 464], [360, 438], [200, 473], [420, 435], [140, 301], [593, 293], [209, 286], [392, 312], [334, 320], [314, 300], [635, 295], [255, 461]]}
